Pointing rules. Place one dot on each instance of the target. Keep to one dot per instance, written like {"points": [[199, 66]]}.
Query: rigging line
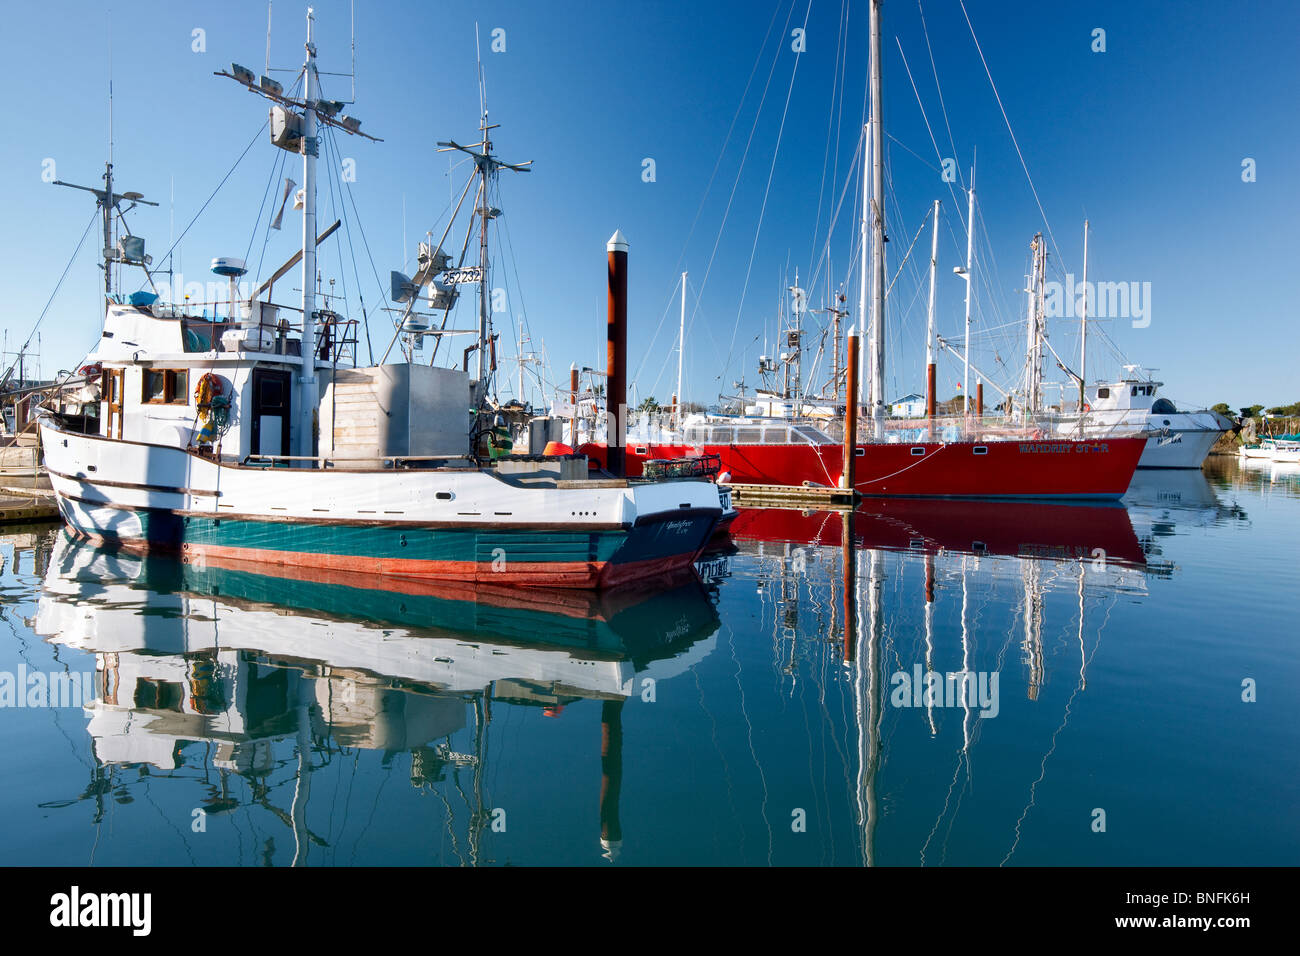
{"points": [[939, 89], [276, 168], [257, 220], [654, 338], [1014, 142], [952, 192], [75, 252], [848, 181], [762, 211], [356, 277], [907, 254], [837, 75], [744, 155], [383, 297], [206, 202], [727, 139]]}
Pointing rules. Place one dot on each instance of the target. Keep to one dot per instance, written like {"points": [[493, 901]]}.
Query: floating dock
{"points": [[816, 497]]}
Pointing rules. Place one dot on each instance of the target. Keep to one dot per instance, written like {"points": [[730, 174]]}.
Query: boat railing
{"points": [[383, 462]]}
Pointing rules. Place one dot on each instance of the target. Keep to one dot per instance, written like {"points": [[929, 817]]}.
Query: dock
{"points": [[814, 497], [25, 505]]}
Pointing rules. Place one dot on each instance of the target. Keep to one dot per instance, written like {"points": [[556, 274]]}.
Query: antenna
{"points": [[267, 71]]}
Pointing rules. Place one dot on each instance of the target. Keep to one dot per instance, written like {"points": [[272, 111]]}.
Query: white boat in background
{"points": [[1285, 449], [1176, 438]]}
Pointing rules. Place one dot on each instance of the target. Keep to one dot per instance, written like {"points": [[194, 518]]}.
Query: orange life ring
{"points": [[94, 368], [209, 386], [1087, 407]]}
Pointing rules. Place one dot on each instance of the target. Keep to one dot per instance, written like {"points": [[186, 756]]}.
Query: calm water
{"points": [[766, 716]]}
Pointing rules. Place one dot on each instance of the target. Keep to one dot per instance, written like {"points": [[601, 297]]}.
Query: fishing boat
{"points": [[960, 458], [255, 436]]}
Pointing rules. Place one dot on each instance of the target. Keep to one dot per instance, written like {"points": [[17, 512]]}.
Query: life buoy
{"points": [[94, 368], [1087, 407], [213, 411], [209, 386]]}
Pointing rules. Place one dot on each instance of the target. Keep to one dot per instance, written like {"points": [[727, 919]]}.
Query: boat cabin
{"points": [[1130, 394]]}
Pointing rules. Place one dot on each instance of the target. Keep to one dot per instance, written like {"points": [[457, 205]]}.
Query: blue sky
{"points": [[1146, 140]]}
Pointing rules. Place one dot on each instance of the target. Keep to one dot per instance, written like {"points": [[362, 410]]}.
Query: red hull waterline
{"points": [[1062, 468], [583, 575]]}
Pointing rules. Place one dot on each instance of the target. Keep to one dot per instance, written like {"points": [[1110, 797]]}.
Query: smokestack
{"points": [[979, 399], [616, 358]]}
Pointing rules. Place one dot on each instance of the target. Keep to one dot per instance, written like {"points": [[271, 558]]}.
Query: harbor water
{"points": [[921, 683]]}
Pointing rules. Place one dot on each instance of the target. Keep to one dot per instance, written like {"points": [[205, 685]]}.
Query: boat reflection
{"points": [[212, 667], [909, 591]]}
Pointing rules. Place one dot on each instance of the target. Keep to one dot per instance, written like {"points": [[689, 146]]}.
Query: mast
{"points": [[484, 169], [878, 234], [929, 322], [307, 385], [681, 348], [864, 238], [1083, 326], [970, 266]]}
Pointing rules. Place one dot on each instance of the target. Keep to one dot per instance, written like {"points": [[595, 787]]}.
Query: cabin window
{"points": [[1103, 393], [722, 436], [166, 386], [776, 436], [748, 436], [694, 434]]}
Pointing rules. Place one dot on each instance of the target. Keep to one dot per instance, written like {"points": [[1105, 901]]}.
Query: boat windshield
{"points": [[755, 433]]}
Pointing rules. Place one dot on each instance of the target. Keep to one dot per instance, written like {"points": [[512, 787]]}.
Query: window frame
{"points": [[171, 394]]}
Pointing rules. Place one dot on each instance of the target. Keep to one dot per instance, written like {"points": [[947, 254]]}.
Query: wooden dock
{"points": [[24, 505], [815, 497]]}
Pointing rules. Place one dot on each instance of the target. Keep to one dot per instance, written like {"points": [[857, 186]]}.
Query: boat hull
{"points": [[454, 525], [1057, 468]]}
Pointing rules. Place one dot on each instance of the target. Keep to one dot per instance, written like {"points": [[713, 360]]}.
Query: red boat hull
{"points": [[1062, 468], [1035, 529]]}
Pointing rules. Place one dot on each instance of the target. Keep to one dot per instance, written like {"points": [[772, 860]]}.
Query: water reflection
{"points": [[809, 705], [208, 668]]}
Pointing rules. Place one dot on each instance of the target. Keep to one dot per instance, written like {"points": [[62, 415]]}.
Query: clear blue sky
{"points": [[1146, 140]]}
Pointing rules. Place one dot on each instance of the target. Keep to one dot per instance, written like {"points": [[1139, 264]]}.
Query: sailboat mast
{"points": [[307, 384], [1083, 326], [970, 278], [878, 233], [681, 348], [929, 321], [484, 166]]}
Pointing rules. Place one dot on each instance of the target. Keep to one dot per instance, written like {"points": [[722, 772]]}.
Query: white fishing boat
{"points": [[253, 436], [1176, 438]]}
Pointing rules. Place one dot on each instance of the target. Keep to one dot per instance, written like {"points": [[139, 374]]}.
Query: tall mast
{"points": [[969, 275], [878, 234], [307, 385], [1083, 326], [929, 321], [864, 241], [681, 348], [484, 169]]}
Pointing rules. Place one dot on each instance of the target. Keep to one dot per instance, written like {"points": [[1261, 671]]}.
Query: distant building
{"points": [[909, 406]]}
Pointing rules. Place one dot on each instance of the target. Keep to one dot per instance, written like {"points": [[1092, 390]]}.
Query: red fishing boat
{"points": [[781, 453]]}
